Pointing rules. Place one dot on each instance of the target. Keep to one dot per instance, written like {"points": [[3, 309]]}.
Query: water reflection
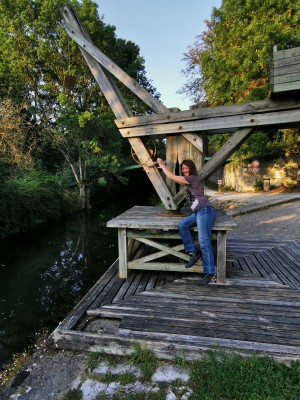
{"points": [[45, 273]]}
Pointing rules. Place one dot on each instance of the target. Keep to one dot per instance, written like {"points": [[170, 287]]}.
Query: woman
{"points": [[203, 216]]}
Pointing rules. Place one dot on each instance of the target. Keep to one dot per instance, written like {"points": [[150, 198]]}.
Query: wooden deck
{"points": [[258, 310]]}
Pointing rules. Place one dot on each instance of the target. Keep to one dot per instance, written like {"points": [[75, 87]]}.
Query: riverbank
{"points": [[51, 372]]}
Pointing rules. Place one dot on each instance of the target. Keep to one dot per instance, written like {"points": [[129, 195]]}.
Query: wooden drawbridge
{"points": [[257, 310], [184, 130]]}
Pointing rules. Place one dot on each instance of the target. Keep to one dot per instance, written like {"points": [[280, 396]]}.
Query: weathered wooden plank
{"points": [[165, 250], [152, 281], [163, 266], [74, 31], [160, 254], [197, 141], [284, 62], [221, 257], [293, 256], [218, 320], [286, 70], [290, 268], [123, 256], [263, 106], [201, 341], [282, 267], [287, 53], [228, 331], [161, 278], [166, 346], [285, 87], [265, 269], [134, 285], [79, 310], [144, 281], [256, 297], [218, 124], [289, 77], [121, 293], [111, 294], [232, 294], [205, 307], [268, 316], [199, 310], [140, 217]]}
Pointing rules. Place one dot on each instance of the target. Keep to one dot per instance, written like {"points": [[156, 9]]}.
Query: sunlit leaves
{"points": [[229, 62], [17, 139]]}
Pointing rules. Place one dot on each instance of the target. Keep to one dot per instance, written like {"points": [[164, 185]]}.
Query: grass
{"points": [[228, 376], [74, 394], [218, 375], [95, 358], [145, 359]]}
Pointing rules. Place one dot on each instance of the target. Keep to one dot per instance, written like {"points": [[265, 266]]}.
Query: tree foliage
{"points": [[229, 62], [43, 69], [16, 141]]}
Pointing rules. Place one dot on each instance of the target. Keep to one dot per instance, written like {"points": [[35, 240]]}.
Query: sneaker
{"points": [[192, 261], [207, 279]]}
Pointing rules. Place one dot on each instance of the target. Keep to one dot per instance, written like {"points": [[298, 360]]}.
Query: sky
{"points": [[163, 30]]}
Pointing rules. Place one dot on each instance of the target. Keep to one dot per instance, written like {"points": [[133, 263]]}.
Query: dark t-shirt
{"points": [[196, 193]]}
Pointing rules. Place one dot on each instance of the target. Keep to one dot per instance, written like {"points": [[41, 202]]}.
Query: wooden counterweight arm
{"points": [[74, 30], [118, 106]]}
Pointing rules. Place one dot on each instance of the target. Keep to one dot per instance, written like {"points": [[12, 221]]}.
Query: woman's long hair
{"points": [[192, 167]]}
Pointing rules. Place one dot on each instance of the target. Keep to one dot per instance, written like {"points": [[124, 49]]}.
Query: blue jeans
{"points": [[203, 219]]}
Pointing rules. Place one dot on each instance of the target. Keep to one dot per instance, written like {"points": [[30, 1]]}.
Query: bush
{"points": [[31, 199], [259, 185], [227, 189]]}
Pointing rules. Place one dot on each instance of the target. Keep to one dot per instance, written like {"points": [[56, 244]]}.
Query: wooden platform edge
{"points": [[80, 309], [168, 346]]}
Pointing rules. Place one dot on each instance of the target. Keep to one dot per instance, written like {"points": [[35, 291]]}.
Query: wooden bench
{"points": [[157, 229]]}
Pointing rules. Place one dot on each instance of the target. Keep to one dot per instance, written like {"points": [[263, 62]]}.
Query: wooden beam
{"points": [[120, 109], [76, 34], [218, 124], [218, 159], [257, 107], [195, 139]]}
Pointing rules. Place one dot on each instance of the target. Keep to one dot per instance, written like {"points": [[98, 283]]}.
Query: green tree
{"points": [[229, 62], [43, 68], [15, 146]]}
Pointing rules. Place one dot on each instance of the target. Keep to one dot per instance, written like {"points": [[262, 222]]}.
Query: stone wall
{"points": [[281, 172]]}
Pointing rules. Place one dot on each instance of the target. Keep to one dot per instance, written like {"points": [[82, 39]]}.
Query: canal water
{"points": [[45, 273]]}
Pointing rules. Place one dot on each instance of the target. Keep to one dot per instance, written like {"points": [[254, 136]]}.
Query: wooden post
{"points": [[123, 253], [221, 256]]}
